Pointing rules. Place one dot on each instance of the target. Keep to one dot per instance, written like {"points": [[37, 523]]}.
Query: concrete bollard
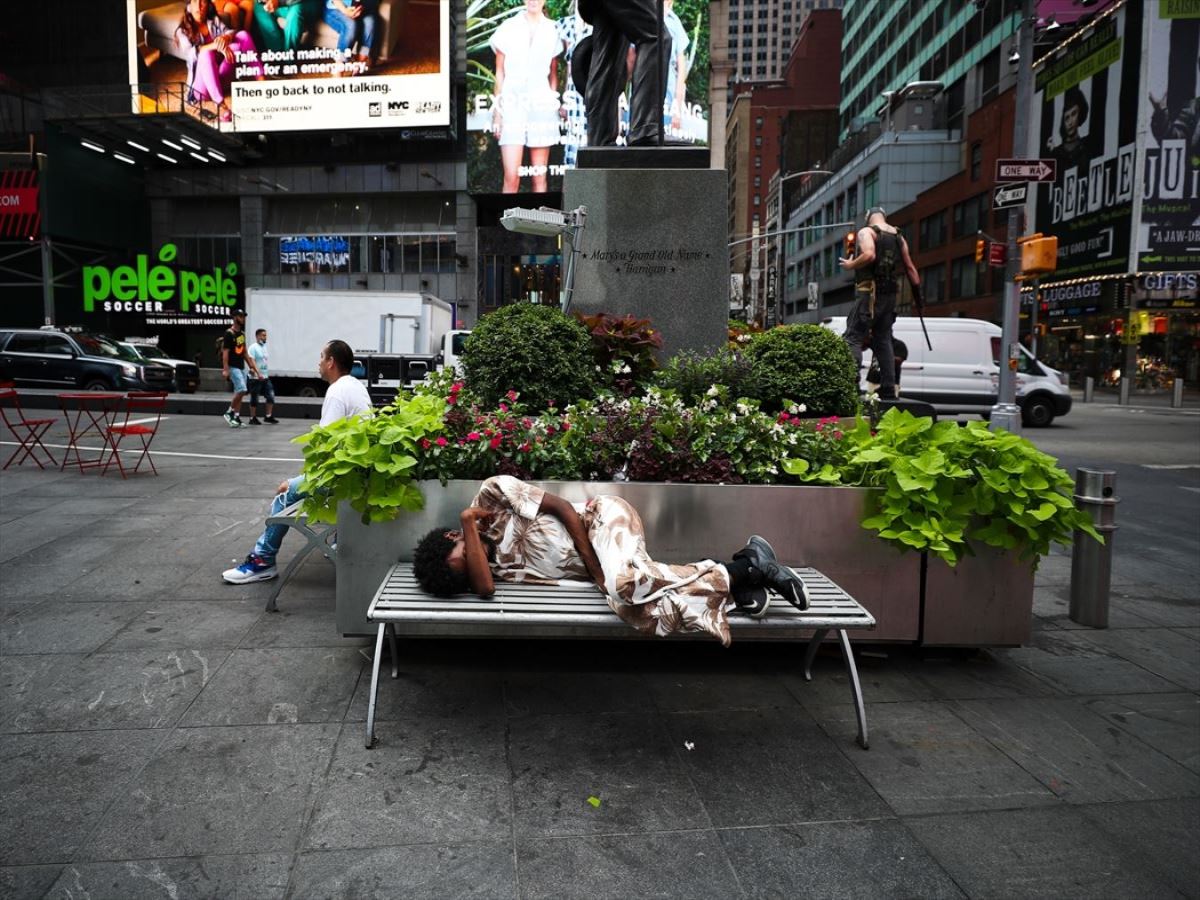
{"points": [[1177, 393], [1091, 561], [1089, 389], [1126, 387]]}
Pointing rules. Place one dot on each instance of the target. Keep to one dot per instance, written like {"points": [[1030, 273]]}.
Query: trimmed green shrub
{"points": [[805, 364], [544, 355], [691, 374]]}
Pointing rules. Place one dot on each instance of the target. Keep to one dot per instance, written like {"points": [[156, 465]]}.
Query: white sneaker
{"points": [[253, 569]]}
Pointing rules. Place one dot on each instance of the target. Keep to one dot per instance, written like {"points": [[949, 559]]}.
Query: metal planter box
{"points": [[809, 525]]}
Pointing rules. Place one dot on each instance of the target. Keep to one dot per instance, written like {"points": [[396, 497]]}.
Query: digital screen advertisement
{"points": [[525, 116], [293, 65]]}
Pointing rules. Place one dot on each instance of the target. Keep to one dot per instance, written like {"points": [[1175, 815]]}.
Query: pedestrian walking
{"points": [[233, 366], [881, 256], [345, 397], [262, 384]]}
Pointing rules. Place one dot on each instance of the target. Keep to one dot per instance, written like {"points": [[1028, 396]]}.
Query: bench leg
{"points": [[856, 689], [391, 633], [370, 739], [814, 644], [287, 573]]}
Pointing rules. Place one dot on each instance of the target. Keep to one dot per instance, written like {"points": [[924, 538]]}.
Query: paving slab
{"points": [[63, 627], [266, 687], [214, 625], [1028, 853], [1159, 836], [675, 864], [426, 872], [1075, 753], [426, 781], [298, 622], [260, 876], [892, 679], [217, 791], [798, 773], [27, 881], [1170, 723], [626, 761], [54, 787], [925, 759], [135, 689], [835, 860], [1158, 650], [431, 686]]}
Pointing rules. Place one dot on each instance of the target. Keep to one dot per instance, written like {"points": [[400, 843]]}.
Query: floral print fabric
{"points": [[655, 598]]}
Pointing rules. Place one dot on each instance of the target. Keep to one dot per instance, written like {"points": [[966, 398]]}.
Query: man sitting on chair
{"points": [[518, 532], [345, 397]]}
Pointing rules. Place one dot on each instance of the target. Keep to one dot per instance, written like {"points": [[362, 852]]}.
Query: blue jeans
{"points": [[272, 537], [347, 28]]}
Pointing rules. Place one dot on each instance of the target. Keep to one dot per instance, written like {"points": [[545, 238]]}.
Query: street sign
{"points": [[997, 255], [814, 294], [1007, 197], [1026, 169]]}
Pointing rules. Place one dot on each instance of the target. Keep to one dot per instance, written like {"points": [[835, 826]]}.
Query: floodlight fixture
{"points": [[549, 222]]}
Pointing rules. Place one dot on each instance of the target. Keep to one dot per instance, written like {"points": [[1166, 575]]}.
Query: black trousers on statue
{"points": [[617, 24]]}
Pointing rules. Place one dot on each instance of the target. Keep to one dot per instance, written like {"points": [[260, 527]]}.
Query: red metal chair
{"points": [[143, 412], [28, 432]]}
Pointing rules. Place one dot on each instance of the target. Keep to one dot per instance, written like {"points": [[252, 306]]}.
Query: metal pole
{"points": [[1006, 414], [1089, 388], [1123, 397], [1177, 393], [47, 281], [658, 75], [1091, 561], [1033, 314]]}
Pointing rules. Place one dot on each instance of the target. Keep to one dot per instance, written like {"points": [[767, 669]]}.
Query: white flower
{"points": [[708, 405], [712, 391], [597, 368], [743, 409], [625, 370], [776, 428], [772, 470], [791, 438], [743, 338]]}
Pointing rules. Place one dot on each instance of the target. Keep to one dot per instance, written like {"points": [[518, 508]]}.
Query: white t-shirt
{"points": [[345, 397], [528, 48], [258, 353]]}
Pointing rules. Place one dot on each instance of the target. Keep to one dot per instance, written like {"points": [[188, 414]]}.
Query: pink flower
{"points": [[837, 435], [527, 423], [456, 387], [525, 448], [441, 442], [473, 436], [425, 445], [451, 400], [566, 426], [503, 407], [783, 417], [550, 429], [512, 396], [495, 442]]}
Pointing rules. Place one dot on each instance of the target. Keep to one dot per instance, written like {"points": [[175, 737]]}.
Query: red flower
{"points": [[512, 396], [837, 435], [503, 407], [495, 442], [441, 442], [527, 422], [473, 436], [783, 417], [525, 448], [425, 445], [451, 400], [456, 387], [566, 426], [550, 429]]}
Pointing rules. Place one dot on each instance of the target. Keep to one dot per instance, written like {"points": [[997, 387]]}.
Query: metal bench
{"points": [[319, 537], [577, 610]]}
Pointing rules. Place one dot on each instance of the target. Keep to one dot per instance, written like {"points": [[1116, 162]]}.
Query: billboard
{"points": [[20, 215], [293, 65], [526, 134], [1086, 108], [1168, 236]]}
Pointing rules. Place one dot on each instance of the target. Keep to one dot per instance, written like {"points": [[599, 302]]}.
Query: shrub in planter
{"points": [[538, 348], [946, 485], [625, 349], [690, 374], [808, 364]]}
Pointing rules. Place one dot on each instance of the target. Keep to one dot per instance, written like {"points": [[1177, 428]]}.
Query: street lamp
{"points": [[549, 222]]}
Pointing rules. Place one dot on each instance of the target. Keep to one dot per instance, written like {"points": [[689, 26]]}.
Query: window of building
{"points": [[840, 207], [970, 216], [871, 190], [966, 278], [852, 201], [758, 181], [758, 122], [758, 140], [976, 160], [758, 162], [989, 80], [932, 231], [933, 283], [757, 199]]}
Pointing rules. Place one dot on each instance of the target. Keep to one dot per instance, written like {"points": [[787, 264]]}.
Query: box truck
{"points": [[413, 332]]}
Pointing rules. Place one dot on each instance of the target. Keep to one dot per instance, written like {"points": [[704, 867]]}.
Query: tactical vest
{"points": [[886, 267]]}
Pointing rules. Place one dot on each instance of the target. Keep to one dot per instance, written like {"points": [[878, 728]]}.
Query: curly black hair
{"points": [[433, 573]]}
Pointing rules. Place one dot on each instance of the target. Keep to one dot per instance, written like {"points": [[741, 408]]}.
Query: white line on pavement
{"points": [[173, 453], [1171, 466]]}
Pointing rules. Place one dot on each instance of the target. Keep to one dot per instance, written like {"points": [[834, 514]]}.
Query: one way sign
{"points": [[1026, 169], [1006, 197]]}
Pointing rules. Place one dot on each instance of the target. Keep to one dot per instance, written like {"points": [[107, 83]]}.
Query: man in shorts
{"points": [[262, 384], [233, 366]]}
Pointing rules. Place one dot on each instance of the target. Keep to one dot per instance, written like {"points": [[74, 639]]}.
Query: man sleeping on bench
{"points": [[518, 532]]}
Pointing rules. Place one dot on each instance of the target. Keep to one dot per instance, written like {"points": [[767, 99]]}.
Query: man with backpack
{"points": [[881, 254], [233, 366]]}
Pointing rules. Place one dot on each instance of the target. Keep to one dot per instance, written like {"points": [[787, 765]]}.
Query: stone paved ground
{"points": [[161, 735]]}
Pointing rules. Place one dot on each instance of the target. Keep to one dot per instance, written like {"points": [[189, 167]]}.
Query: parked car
{"points": [[51, 358], [961, 374], [187, 374]]}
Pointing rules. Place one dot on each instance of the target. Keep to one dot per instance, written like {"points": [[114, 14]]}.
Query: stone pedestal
{"points": [[655, 246]]}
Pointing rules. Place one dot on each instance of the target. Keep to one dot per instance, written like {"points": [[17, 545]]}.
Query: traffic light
{"points": [[1039, 254], [849, 242], [980, 250]]}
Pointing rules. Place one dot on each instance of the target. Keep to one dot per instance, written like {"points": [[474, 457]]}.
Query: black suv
{"points": [[48, 358]]}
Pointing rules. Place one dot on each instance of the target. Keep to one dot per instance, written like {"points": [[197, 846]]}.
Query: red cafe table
{"points": [[87, 413]]}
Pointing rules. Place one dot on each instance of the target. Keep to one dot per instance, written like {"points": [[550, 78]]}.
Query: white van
{"points": [[961, 374]]}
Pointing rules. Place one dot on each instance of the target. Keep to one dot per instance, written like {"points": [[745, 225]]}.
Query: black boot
{"points": [[761, 555]]}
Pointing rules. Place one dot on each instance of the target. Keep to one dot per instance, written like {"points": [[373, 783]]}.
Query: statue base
{"points": [[668, 156], [655, 247]]}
